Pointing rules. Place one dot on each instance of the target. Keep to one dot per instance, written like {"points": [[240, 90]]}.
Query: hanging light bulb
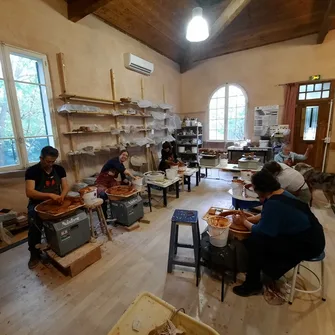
{"points": [[197, 28]]}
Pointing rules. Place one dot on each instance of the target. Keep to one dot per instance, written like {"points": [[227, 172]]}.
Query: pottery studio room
{"points": [[167, 167]]}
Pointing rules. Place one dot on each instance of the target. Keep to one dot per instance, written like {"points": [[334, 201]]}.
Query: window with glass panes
{"points": [[25, 118], [227, 114], [314, 91]]}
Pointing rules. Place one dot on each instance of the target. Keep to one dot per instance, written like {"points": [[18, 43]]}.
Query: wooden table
{"points": [[257, 150], [163, 185], [228, 168], [188, 174]]}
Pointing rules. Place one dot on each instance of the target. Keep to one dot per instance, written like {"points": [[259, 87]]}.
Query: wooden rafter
{"points": [[78, 9], [326, 23], [234, 8]]}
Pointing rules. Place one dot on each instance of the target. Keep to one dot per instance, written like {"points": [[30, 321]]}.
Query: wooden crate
{"points": [[77, 260]]}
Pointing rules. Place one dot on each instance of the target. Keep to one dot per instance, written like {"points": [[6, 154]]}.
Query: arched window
{"points": [[227, 110]]}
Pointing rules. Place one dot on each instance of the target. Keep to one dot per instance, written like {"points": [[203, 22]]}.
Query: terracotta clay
{"points": [[123, 190], [54, 208]]}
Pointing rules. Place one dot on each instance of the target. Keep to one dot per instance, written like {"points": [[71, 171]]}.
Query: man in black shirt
{"points": [[45, 180]]}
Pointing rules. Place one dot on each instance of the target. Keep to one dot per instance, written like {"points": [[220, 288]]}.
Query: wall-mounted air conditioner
{"points": [[138, 64]]}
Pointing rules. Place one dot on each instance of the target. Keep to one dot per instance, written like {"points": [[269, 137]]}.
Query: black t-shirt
{"points": [[115, 163], [37, 173]]}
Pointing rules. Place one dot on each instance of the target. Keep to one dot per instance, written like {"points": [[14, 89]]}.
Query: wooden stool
{"points": [[102, 221], [190, 219]]}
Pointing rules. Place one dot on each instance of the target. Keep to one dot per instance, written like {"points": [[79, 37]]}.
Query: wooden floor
{"points": [[43, 301]]}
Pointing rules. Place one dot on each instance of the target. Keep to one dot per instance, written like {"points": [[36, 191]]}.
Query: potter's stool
{"points": [[96, 206], [321, 280], [190, 219]]}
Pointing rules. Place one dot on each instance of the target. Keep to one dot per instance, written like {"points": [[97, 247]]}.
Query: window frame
{"points": [[13, 103], [226, 108]]}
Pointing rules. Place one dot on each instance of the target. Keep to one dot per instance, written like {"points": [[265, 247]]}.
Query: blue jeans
{"points": [[104, 196], [35, 230]]}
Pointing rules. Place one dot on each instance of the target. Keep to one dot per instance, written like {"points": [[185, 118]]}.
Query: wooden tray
{"points": [[48, 216]]}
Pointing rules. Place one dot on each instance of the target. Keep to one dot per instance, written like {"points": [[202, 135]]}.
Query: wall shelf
{"points": [[75, 97], [87, 132], [101, 114]]}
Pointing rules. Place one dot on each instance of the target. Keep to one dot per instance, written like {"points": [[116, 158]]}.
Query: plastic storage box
{"points": [[149, 312]]}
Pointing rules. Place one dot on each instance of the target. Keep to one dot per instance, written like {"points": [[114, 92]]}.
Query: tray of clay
{"points": [[227, 213], [52, 210], [213, 211], [121, 191]]}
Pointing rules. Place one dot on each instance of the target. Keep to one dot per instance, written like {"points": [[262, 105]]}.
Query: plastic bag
{"points": [[158, 115], [74, 108]]}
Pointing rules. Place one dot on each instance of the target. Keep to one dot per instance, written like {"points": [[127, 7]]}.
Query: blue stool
{"points": [[321, 280], [186, 218]]}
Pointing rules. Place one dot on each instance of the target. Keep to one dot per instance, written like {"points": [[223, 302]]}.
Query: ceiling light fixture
{"points": [[197, 28]]}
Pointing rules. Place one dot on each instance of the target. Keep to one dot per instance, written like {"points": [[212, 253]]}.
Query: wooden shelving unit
{"points": [[181, 141], [116, 105]]}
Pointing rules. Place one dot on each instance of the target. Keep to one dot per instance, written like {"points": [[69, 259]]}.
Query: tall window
{"points": [[227, 109], [25, 119]]}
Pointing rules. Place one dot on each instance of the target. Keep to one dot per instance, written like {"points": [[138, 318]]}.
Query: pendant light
{"points": [[197, 28]]}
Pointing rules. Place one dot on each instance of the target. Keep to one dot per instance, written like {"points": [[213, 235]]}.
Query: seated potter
{"points": [[290, 180], [168, 158], [290, 158], [287, 233], [109, 173]]}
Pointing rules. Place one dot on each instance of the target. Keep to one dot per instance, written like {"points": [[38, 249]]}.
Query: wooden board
{"points": [[78, 260], [17, 239]]}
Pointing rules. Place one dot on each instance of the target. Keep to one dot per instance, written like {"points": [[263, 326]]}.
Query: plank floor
{"points": [[43, 301]]}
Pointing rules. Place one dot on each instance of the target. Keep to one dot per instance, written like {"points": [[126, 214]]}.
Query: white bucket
{"points": [[218, 236], [171, 173], [194, 150], [181, 149], [138, 184], [194, 123], [90, 197], [223, 162], [187, 123], [237, 189]]}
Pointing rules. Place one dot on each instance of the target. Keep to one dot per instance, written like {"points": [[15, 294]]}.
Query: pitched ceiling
{"points": [[161, 24]]}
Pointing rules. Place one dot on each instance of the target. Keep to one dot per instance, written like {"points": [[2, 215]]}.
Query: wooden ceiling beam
{"points": [[78, 9], [326, 23], [234, 8]]}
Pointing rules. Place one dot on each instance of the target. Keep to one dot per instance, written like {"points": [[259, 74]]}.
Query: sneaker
{"points": [[246, 290], [33, 261]]}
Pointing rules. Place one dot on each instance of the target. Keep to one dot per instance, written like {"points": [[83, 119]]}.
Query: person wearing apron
{"points": [[45, 180], [290, 180]]}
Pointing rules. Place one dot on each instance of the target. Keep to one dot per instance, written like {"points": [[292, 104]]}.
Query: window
{"points": [[310, 119], [227, 109], [314, 91], [25, 118]]}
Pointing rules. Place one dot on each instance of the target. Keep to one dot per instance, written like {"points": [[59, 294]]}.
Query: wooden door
{"points": [[311, 124]]}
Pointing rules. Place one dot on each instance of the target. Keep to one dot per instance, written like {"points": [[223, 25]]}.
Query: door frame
{"points": [[330, 101]]}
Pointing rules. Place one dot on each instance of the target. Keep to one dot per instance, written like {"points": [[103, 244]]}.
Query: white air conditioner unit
{"points": [[138, 64]]}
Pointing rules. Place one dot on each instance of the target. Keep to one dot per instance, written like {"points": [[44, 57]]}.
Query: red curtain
{"points": [[291, 93]]}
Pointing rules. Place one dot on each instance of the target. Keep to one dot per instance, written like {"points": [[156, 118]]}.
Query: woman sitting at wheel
{"points": [[290, 180], [168, 157], [286, 234], [108, 175]]}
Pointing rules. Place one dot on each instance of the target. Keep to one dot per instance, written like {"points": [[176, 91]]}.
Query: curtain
{"points": [[291, 93]]}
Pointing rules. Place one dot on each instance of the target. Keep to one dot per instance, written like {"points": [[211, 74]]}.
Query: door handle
{"points": [[326, 140]]}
